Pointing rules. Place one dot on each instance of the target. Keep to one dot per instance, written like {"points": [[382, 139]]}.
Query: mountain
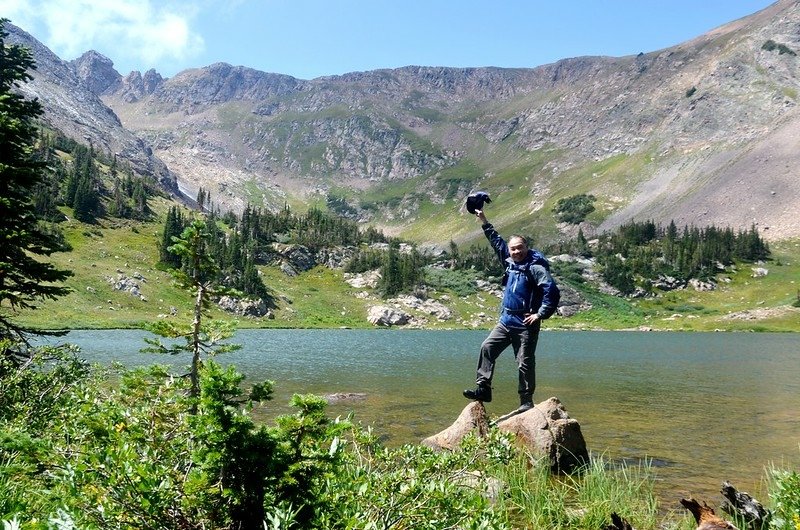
{"points": [[704, 132], [71, 106]]}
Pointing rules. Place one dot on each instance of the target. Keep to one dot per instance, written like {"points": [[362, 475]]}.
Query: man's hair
{"points": [[521, 238]]}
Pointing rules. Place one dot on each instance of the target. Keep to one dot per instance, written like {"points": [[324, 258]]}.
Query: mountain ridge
{"points": [[701, 133]]}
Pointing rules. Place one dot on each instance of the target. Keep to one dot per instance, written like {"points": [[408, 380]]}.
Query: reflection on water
{"points": [[705, 407]]}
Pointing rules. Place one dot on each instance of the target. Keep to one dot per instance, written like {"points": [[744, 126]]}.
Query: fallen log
{"points": [[744, 506]]}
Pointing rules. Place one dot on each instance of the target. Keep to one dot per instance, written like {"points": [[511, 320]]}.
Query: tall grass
{"points": [[537, 499]]}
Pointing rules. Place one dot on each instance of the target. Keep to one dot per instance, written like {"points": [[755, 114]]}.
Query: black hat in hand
{"points": [[475, 201]]}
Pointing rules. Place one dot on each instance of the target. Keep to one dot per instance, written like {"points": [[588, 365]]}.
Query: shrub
{"points": [[770, 45], [462, 283], [784, 492], [574, 209]]}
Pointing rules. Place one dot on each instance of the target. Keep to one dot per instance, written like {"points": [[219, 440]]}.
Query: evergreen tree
{"points": [[85, 201], [23, 278], [173, 227]]}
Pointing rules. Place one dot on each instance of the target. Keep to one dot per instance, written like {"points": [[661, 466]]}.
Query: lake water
{"points": [[705, 407]]}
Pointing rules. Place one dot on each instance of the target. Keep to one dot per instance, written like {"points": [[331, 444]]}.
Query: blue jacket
{"points": [[529, 287]]}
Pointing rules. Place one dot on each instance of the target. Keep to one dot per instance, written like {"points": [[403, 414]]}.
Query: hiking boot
{"points": [[482, 393], [525, 403]]}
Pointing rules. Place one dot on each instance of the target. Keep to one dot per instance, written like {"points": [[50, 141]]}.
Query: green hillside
{"points": [[320, 298]]}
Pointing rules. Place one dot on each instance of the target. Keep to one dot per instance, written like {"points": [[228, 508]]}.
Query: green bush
{"points": [[784, 492], [574, 209], [770, 45], [462, 282]]}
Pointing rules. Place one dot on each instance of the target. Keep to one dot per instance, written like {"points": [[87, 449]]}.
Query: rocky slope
{"points": [[705, 132], [72, 106]]}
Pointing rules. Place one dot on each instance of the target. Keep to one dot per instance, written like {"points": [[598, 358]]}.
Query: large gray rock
{"points": [[572, 302], [547, 430], [431, 307], [472, 419], [244, 306], [335, 257], [298, 257], [381, 315]]}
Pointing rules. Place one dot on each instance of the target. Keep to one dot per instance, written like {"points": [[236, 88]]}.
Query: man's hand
{"points": [[529, 320], [482, 216]]}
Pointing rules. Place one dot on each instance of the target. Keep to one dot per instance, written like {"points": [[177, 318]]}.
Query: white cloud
{"points": [[141, 33]]}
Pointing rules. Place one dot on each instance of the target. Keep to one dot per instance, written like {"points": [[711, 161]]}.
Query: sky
{"points": [[312, 38]]}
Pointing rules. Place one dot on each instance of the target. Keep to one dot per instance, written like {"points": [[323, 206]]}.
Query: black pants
{"points": [[523, 341]]}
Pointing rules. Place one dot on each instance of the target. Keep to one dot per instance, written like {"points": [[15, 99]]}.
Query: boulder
{"points": [[243, 306], [472, 418], [381, 315], [335, 257], [668, 283], [700, 285], [125, 283], [367, 279], [571, 302], [299, 257], [547, 430], [431, 307]]}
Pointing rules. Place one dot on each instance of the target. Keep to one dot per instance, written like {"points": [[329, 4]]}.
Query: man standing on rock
{"points": [[530, 295]]}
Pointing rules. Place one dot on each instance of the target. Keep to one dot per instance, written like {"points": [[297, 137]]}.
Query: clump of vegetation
{"points": [[691, 91], [770, 45], [644, 250], [784, 487], [574, 209]]}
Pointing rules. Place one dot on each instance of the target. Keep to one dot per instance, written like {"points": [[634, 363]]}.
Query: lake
{"points": [[705, 407]]}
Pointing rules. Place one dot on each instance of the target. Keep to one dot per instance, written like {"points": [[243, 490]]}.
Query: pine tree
{"points": [[24, 279]]}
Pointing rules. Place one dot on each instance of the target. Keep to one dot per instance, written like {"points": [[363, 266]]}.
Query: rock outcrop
{"points": [[244, 307], [66, 92], [384, 316]]}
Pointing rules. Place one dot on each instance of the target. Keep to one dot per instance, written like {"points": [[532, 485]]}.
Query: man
{"points": [[530, 296]]}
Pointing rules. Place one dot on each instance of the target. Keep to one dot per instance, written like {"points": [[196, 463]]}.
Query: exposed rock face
{"points": [[696, 120], [294, 258], [71, 107], [384, 316], [548, 430], [97, 72], [244, 306], [430, 307], [699, 285], [336, 257], [571, 302], [135, 86], [367, 279], [668, 283]]}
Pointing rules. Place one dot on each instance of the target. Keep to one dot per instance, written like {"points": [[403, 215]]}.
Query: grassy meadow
{"points": [[320, 298]]}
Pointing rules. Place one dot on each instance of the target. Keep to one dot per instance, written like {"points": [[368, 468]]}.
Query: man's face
{"points": [[518, 249]]}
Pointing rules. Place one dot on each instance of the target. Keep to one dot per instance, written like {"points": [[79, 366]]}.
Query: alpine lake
{"points": [[701, 408]]}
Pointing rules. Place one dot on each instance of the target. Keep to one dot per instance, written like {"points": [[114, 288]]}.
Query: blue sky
{"points": [[312, 38]]}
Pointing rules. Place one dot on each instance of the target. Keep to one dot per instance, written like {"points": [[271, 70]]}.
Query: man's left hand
{"points": [[529, 320]]}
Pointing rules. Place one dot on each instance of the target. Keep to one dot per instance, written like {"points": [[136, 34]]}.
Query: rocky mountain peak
{"points": [[73, 108], [136, 86], [97, 72]]}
